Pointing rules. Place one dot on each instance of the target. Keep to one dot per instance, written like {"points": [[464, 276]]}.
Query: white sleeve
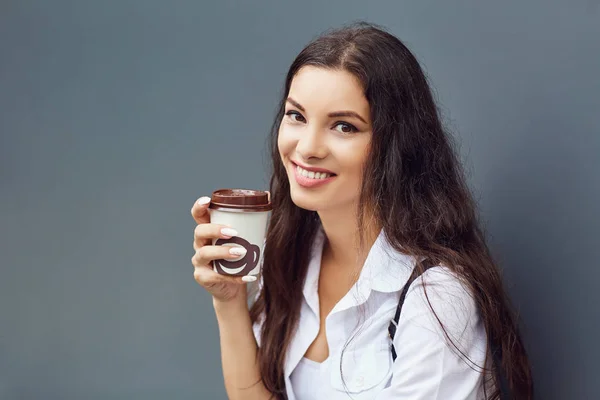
{"points": [[428, 366]]}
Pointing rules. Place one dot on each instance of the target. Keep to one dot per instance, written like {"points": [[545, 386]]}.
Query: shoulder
{"points": [[440, 340], [442, 302], [443, 282]]}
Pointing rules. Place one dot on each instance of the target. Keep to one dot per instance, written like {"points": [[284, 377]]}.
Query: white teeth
{"points": [[312, 174]]}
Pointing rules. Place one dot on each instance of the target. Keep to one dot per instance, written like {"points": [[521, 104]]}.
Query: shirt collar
{"points": [[385, 270], [311, 283]]}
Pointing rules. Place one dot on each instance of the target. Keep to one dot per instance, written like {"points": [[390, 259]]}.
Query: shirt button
{"points": [[359, 381]]}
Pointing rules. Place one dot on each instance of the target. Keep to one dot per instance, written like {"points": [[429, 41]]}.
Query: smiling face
{"points": [[324, 138]]}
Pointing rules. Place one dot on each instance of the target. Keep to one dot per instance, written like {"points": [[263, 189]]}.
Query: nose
{"points": [[312, 144]]}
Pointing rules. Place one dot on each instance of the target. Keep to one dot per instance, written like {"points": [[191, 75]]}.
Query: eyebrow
{"points": [[330, 115]]}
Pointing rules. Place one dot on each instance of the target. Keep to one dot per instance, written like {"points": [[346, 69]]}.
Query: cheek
{"points": [[352, 157], [285, 142]]}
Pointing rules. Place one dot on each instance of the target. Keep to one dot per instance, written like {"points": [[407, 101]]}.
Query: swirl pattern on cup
{"points": [[240, 267]]}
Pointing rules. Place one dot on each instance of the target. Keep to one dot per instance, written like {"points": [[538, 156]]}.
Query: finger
{"points": [[204, 233], [205, 254], [200, 210], [206, 277]]}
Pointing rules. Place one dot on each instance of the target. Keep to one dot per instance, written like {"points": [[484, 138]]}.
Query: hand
{"points": [[223, 288]]}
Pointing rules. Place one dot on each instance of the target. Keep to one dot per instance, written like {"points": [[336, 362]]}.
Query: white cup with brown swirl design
{"points": [[247, 212]]}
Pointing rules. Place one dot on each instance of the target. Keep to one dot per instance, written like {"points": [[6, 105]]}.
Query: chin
{"points": [[306, 201]]}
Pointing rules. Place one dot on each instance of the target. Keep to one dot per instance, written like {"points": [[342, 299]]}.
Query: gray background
{"points": [[116, 115]]}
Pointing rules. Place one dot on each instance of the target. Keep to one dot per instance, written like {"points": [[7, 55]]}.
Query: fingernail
{"points": [[238, 251], [229, 232], [203, 200], [249, 278]]}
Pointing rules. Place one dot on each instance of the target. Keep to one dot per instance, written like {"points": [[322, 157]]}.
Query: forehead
{"points": [[328, 90]]}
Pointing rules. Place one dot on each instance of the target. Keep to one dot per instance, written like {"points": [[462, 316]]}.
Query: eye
{"points": [[345, 128], [295, 116]]}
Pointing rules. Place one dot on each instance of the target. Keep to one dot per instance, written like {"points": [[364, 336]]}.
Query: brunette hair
{"points": [[415, 185]]}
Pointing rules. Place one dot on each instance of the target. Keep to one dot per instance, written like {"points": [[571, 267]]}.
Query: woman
{"points": [[367, 192]]}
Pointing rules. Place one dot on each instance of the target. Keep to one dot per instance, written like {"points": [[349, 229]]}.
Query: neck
{"points": [[342, 246]]}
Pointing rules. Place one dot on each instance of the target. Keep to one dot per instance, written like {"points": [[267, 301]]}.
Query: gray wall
{"points": [[116, 115]]}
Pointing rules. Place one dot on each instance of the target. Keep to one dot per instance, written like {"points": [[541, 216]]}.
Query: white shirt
{"points": [[307, 379], [427, 367]]}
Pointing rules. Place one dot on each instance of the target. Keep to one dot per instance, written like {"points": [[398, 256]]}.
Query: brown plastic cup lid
{"points": [[240, 200]]}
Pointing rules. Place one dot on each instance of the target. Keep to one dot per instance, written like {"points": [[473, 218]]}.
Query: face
{"points": [[324, 138]]}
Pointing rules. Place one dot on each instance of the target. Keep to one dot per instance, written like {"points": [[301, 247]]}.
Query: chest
{"points": [[349, 354], [334, 284]]}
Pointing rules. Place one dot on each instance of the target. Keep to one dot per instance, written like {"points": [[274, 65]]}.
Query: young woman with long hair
{"points": [[377, 282]]}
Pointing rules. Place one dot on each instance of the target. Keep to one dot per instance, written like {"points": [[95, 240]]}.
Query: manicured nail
{"points": [[203, 200], [229, 232], [249, 278], [238, 251]]}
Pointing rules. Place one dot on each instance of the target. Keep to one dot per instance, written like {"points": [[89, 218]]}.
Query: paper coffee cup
{"points": [[247, 212]]}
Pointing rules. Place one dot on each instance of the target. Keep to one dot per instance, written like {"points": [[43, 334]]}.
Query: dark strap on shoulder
{"points": [[394, 322], [505, 393]]}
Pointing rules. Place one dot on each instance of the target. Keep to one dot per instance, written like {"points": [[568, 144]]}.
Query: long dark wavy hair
{"points": [[413, 183]]}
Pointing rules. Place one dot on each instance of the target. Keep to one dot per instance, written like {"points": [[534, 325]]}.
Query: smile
{"points": [[311, 174], [310, 178]]}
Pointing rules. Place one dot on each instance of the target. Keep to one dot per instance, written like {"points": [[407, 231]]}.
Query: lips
{"points": [[304, 179]]}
